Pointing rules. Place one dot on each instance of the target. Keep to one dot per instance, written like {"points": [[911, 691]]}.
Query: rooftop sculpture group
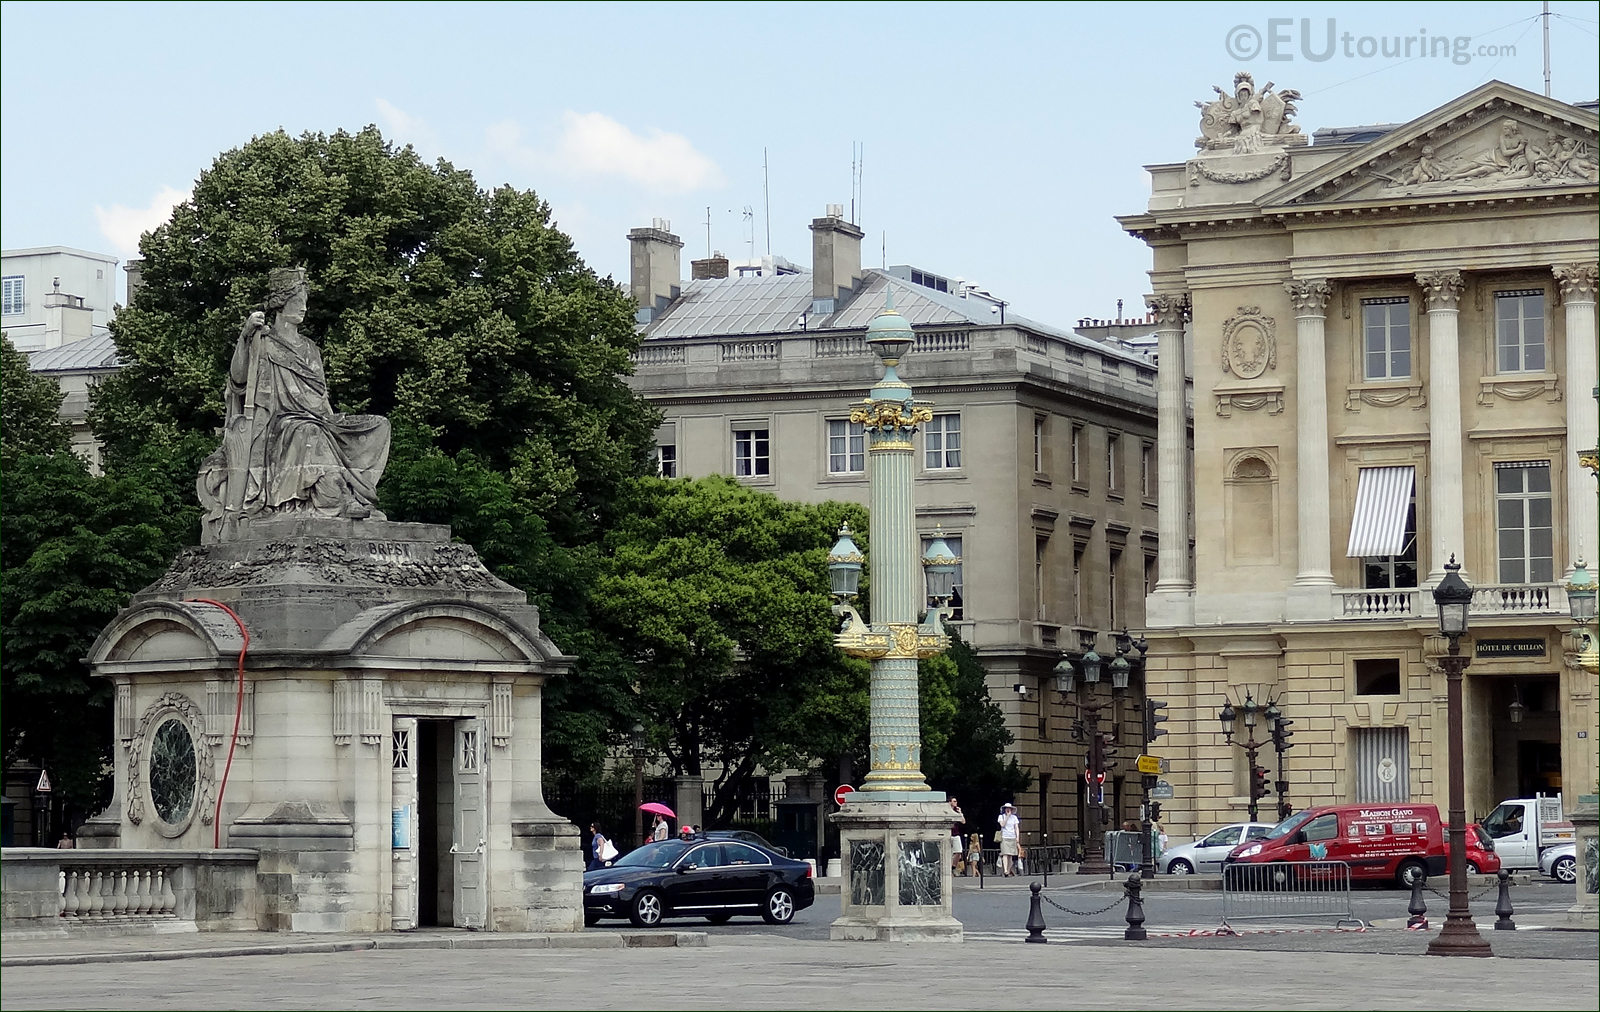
{"points": [[1248, 121]]}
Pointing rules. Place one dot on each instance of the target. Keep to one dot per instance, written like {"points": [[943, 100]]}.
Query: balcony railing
{"points": [[211, 890], [1519, 599], [1492, 599], [1378, 603]]}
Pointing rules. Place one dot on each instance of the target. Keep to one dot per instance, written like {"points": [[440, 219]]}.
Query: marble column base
{"points": [[898, 885]]}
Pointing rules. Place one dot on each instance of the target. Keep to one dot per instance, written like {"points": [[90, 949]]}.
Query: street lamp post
{"points": [[1247, 713], [1102, 743], [638, 784], [1459, 937], [894, 833]]}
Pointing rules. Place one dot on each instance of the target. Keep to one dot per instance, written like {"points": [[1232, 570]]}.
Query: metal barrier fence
{"points": [[1286, 890], [1037, 861]]}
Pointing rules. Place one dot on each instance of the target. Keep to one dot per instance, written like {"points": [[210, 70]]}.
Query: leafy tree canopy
{"points": [[718, 597], [460, 313], [73, 548]]}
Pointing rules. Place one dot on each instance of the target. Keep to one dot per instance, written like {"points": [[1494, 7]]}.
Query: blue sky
{"points": [[997, 139]]}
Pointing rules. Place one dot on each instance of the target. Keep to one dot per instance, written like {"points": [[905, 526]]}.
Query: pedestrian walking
{"points": [[660, 831], [958, 826], [975, 855], [601, 850], [1010, 837]]}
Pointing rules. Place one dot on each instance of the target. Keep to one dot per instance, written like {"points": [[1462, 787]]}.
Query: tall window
{"points": [[1385, 572], [1386, 324], [942, 442], [1038, 444], [1111, 585], [1077, 584], [1149, 574], [1077, 453], [1113, 462], [1040, 589], [1519, 331], [956, 602], [1522, 509], [16, 290], [847, 447], [667, 460], [1147, 470], [751, 453]]}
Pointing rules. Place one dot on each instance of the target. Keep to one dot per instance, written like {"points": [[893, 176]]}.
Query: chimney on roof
{"points": [[835, 259], [135, 269], [711, 268], [655, 267]]}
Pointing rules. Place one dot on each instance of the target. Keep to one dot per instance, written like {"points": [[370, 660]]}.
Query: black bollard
{"points": [[1134, 888], [1035, 923], [1418, 908], [1502, 906]]}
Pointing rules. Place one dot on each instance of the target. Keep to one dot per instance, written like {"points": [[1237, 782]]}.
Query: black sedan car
{"points": [[698, 877]]}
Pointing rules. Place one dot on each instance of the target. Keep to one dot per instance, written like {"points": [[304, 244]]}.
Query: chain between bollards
{"points": [[1502, 906], [1134, 887], [1035, 923]]}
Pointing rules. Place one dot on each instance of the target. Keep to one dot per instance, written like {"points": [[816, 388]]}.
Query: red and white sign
{"points": [[842, 795]]}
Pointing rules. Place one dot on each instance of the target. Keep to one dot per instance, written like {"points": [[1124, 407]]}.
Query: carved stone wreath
{"points": [[1249, 343], [1198, 168], [173, 705]]}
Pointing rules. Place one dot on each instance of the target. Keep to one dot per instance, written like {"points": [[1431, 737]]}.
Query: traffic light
{"points": [[1155, 811], [1260, 783], [1281, 734], [1153, 719]]}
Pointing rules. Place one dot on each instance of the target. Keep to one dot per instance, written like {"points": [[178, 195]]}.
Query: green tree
{"points": [[73, 548], [461, 313], [718, 596], [964, 736]]}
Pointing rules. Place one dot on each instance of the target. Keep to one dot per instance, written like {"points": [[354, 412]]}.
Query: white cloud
{"points": [[399, 125], [122, 226], [594, 144]]}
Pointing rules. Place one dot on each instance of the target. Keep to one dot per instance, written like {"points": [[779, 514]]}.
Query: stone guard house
{"points": [[1394, 361]]}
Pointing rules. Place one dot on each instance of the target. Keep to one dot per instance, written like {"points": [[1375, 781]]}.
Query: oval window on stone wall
{"points": [[172, 772]]}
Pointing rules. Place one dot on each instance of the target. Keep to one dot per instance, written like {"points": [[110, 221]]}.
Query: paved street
{"points": [[759, 970], [750, 965]]}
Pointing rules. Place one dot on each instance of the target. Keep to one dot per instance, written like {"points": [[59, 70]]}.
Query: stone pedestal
{"points": [[897, 884], [1585, 817], [384, 739]]}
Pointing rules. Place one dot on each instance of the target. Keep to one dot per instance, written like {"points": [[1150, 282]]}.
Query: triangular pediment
{"points": [[1495, 141]]}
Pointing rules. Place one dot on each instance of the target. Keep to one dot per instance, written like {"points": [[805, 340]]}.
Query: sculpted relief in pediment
{"points": [[1509, 155]]}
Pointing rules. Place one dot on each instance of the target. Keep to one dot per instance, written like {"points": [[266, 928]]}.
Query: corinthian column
{"points": [[1310, 298], [1583, 414], [1172, 445], [1441, 293]]}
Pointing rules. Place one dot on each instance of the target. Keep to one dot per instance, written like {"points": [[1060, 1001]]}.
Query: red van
{"points": [[1403, 843]]}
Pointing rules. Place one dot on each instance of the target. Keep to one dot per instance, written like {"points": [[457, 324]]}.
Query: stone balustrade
{"points": [[1491, 599], [1401, 603], [55, 890]]}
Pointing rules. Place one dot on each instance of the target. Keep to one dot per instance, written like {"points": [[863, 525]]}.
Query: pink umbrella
{"points": [[658, 808]]}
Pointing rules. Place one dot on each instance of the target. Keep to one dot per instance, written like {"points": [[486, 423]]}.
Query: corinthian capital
{"points": [[1577, 281], [1171, 309], [1309, 295], [1441, 289]]}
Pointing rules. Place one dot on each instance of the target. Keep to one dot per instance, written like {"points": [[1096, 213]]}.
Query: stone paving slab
{"points": [[761, 971], [212, 945]]}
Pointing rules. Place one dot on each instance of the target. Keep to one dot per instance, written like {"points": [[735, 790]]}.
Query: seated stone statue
{"points": [[285, 451]]}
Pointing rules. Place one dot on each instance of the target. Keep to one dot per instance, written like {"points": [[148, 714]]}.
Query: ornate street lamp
{"points": [[1229, 719], [1581, 605], [894, 836], [1459, 936], [1077, 675]]}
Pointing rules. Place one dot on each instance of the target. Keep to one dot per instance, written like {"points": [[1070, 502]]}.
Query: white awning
{"points": [[1378, 527]]}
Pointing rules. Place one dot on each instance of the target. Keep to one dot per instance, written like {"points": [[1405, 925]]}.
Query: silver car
{"points": [[1206, 855], [1560, 862]]}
